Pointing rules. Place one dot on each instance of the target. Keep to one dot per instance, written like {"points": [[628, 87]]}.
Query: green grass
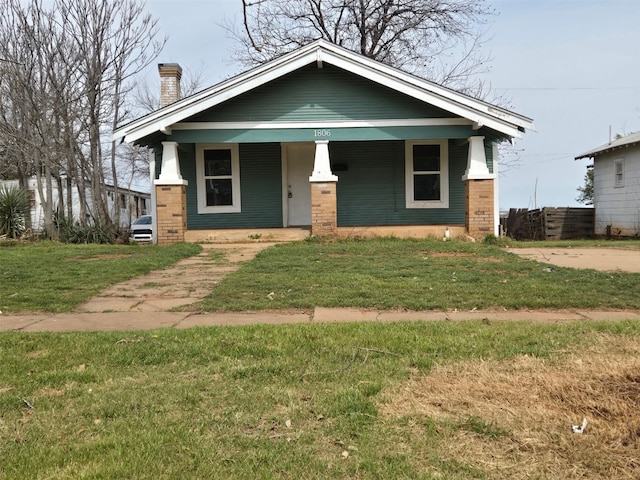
{"points": [[247, 402], [416, 275], [52, 277], [378, 273]]}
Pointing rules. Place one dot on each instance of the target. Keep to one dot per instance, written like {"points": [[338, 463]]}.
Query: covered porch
{"points": [[290, 234], [380, 193]]}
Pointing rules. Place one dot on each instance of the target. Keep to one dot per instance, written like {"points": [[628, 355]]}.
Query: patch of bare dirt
{"points": [[104, 256], [603, 259], [446, 254], [428, 255], [537, 402], [50, 392]]}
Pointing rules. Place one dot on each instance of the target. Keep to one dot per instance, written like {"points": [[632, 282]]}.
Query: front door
{"points": [[300, 157]]}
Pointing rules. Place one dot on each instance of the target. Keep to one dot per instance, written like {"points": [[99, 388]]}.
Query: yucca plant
{"points": [[14, 207], [72, 231]]}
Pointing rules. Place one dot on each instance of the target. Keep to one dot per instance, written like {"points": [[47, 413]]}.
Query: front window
{"points": [[427, 178], [619, 173], [218, 178]]}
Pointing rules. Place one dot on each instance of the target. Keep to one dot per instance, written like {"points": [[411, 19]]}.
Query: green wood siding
{"points": [[260, 187], [319, 94], [371, 192]]}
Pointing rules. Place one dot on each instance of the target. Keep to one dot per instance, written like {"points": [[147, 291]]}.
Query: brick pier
{"points": [[324, 210], [172, 213], [479, 214]]}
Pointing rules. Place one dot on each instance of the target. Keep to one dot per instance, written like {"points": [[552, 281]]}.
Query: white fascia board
{"points": [[394, 74], [168, 116], [408, 87], [212, 97], [626, 141]]}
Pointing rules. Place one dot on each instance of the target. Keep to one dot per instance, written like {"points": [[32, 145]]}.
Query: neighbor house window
{"points": [[218, 175], [427, 174], [619, 172]]}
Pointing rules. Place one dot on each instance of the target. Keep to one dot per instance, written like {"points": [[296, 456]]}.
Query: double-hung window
{"points": [[218, 176], [618, 165], [427, 174]]}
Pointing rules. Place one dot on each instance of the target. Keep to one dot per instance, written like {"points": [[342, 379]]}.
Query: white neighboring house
{"points": [[616, 186], [132, 203]]}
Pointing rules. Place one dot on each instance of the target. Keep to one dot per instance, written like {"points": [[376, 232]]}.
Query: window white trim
{"points": [[443, 172], [618, 173], [235, 207]]}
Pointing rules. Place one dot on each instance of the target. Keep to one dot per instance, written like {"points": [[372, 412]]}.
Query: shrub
{"points": [[14, 207], [71, 231]]}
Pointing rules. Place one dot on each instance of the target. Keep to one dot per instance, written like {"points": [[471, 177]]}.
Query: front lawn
{"points": [[378, 273], [53, 277], [392, 273], [454, 400]]}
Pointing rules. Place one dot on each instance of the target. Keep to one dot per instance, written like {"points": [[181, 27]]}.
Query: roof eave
{"points": [[603, 151], [481, 113], [225, 90]]}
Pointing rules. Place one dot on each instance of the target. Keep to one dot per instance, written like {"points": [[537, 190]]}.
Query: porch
{"points": [[291, 234]]}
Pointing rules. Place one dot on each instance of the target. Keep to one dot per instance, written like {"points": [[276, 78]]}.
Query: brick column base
{"points": [[171, 207], [479, 212], [324, 209]]}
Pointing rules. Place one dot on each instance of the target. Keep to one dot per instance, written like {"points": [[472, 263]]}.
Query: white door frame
{"points": [[285, 184]]}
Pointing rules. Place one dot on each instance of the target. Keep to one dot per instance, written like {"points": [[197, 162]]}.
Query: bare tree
{"points": [[116, 40], [63, 82], [438, 39], [34, 86]]}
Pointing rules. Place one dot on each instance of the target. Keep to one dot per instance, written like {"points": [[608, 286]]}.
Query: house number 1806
{"points": [[324, 132]]}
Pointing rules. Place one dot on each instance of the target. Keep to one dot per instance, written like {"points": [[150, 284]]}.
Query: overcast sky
{"points": [[571, 65]]}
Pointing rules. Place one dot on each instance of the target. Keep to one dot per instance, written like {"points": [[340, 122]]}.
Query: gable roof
{"points": [[623, 142], [479, 112]]}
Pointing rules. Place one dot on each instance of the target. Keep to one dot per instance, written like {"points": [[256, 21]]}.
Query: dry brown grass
{"points": [[529, 405]]}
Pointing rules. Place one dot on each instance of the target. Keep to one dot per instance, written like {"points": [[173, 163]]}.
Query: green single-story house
{"points": [[324, 139]]}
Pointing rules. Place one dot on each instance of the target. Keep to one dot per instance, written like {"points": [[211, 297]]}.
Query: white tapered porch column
{"points": [[324, 211]]}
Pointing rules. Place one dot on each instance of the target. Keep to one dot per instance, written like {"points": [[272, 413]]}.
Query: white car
{"points": [[142, 229]]}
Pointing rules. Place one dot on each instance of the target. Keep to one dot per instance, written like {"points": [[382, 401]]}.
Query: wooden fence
{"points": [[549, 223]]}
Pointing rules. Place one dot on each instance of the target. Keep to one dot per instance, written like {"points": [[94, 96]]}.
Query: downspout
{"points": [[154, 203], [496, 189]]}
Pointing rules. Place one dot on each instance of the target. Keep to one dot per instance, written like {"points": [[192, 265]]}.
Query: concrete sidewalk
{"points": [[146, 302], [121, 321], [127, 321]]}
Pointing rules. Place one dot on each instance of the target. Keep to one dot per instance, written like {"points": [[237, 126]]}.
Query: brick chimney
{"points": [[170, 74]]}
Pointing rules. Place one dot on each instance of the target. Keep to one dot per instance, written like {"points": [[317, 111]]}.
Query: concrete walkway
{"points": [[136, 320], [146, 302]]}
